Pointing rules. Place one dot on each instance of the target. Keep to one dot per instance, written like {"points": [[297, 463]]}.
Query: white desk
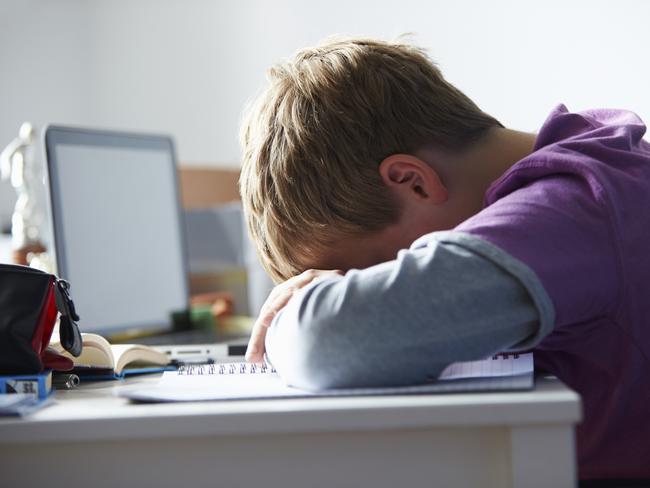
{"points": [[91, 438]]}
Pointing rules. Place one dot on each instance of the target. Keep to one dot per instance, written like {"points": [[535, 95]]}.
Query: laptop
{"points": [[119, 239]]}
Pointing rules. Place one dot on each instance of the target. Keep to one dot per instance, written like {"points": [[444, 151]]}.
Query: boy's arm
{"points": [[458, 298]]}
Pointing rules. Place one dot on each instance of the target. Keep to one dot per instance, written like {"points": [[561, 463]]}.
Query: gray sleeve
{"points": [[451, 297]]}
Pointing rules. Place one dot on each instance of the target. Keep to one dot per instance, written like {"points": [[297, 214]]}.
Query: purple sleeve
{"points": [[560, 228]]}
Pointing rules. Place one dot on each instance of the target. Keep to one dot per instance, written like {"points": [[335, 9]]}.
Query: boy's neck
{"points": [[468, 175], [486, 161]]}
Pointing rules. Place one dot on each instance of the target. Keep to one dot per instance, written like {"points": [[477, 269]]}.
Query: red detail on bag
{"points": [[55, 361], [45, 326], [43, 332]]}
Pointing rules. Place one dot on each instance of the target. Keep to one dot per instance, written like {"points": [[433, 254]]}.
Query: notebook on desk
{"points": [[243, 381], [118, 231]]}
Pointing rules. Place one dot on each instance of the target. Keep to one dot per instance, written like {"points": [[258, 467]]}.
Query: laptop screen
{"points": [[117, 227]]}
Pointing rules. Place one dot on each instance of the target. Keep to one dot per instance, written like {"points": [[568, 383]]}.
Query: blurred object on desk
{"points": [[219, 307], [221, 255], [219, 303], [7, 203], [221, 225], [21, 165], [215, 248]]}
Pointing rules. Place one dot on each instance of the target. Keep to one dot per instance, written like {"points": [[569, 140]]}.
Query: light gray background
{"points": [[186, 67]]}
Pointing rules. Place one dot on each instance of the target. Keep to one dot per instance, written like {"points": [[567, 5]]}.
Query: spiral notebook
{"points": [[240, 381]]}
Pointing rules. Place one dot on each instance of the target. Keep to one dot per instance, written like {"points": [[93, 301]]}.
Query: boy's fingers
{"points": [[255, 349], [276, 301]]}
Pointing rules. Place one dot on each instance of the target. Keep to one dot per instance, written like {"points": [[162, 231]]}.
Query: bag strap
{"points": [[68, 328]]}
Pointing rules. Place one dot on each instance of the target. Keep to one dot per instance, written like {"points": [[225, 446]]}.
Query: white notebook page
{"points": [[233, 381], [499, 365]]}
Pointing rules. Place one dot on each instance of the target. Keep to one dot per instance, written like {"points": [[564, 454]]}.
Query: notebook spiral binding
{"points": [[224, 369], [252, 368], [506, 355]]}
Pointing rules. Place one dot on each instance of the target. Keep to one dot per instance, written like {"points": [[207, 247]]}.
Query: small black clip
{"points": [[63, 286], [68, 329]]}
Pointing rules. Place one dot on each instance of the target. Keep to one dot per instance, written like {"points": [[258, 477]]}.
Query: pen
{"points": [[65, 381]]}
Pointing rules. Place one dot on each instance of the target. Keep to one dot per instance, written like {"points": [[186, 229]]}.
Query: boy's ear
{"points": [[412, 177]]}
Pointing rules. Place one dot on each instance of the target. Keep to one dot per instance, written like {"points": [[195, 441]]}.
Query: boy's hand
{"points": [[276, 300]]}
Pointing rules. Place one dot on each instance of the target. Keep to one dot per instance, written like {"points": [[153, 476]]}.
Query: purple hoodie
{"points": [[577, 212]]}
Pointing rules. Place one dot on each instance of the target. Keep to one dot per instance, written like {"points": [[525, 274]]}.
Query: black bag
{"points": [[29, 303]]}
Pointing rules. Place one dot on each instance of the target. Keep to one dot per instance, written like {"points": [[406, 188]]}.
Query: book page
{"points": [[130, 355], [96, 351]]}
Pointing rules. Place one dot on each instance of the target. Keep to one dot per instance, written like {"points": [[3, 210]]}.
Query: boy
{"points": [[452, 238]]}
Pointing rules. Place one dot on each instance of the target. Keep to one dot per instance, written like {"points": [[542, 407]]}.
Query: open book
{"points": [[238, 381], [103, 360]]}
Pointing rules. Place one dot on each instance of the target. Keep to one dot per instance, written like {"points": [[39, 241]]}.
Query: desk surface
{"points": [[93, 412], [484, 439]]}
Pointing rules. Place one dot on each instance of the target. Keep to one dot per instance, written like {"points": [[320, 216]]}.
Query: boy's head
{"points": [[314, 141]]}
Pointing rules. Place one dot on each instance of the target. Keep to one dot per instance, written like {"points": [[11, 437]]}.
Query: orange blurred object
{"points": [[221, 303]]}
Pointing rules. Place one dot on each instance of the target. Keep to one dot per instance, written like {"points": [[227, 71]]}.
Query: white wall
{"points": [[186, 67]]}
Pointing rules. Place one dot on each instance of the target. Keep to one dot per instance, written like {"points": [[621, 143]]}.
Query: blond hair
{"points": [[313, 141]]}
